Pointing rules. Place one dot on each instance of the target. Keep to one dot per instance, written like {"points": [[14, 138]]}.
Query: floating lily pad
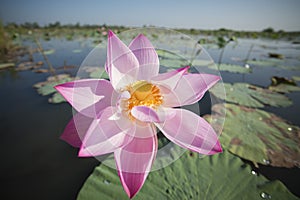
{"points": [[6, 65], [250, 95], [77, 51], [269, 62], [203, 62], [56, 98], [284, 88], [47, 87], [168, 54], [49, 51], [222, 176], [171, 60], [283, 85], [174, 60], [97, 72], [29, 65], [41, 70], [272, 63], [173, 63], [296, 78], [258, 136], [231, 68]]}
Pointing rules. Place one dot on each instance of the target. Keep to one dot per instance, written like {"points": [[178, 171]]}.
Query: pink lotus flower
{"points": [[121, 116]]}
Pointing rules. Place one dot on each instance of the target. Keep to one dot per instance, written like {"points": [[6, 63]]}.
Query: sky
{"points": [[198, 14]]}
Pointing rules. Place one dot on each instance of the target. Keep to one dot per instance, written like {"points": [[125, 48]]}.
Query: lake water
{"points": [[36, 164]]}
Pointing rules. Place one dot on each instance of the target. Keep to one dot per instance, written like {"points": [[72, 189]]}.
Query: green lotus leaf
{"points": [[56, 98], [222, 176], [199, 62], [272, 63], [77, 51], [262, 63], [231, 68], [97, 72], [6, 65], [296, 78], [47, 87], [173, 63], [165, 54], [284, 88], [49, 52], [250, 95], [258, 136]]}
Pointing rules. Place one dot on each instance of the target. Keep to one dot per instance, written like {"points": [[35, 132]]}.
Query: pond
{"points": [[36, 164]]}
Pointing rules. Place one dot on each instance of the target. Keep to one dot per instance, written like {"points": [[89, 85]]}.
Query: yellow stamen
{"points": [[143, 93]]}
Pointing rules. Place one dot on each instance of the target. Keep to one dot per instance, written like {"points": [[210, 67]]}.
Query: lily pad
{"points": [[173, 60], [29, 66], [168, 54], [258, 136], [296, 78], [97, 72], [47, 87], [203, 62], [250, 95], [272, 63], [56, 98], [269, 62], [283, 85], [173, 63], [49, 51], [6, 65], [77, 51], [284, 88], [222, 176], [231, 68]]}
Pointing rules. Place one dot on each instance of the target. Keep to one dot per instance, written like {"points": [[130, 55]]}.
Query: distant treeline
{"points": [[267, 32]]}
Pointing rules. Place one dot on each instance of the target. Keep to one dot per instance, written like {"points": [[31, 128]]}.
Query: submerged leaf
{"points": [[221, 176], [258, 136], [250, 95]]}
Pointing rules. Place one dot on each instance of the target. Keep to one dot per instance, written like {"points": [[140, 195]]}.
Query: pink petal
{"points": [[190, 131], [134, 162], [169, 80], [147, 114], [87, 96], [121, 65], [147, 57], [106, 135], [76, 129], [190, 89]]}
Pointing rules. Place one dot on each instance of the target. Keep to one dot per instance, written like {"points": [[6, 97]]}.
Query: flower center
{"points": [[143, 93]]}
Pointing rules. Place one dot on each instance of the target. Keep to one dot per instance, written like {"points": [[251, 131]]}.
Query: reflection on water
{"points": [[37, 165]]}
